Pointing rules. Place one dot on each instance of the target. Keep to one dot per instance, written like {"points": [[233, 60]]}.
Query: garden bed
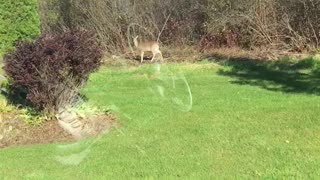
{"points": [[14, 131]]}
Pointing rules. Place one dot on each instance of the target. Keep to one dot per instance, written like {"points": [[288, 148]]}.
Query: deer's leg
{"points": [[142, 53], [158, 52], [161, 55], [153, 55]]}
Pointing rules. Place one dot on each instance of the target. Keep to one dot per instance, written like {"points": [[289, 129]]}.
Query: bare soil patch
{"points": [[15, 132]]}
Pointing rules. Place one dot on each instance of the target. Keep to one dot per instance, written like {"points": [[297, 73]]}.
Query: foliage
{"points": [[32, 117], [28, 115], [5, 107], [218, 40], [278, 24], [85, 110], [117, 21], [284, 24], [53, 68], [18, 21]]}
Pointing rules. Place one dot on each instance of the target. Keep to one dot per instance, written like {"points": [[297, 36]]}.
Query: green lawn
{"points": [[239, 126]]}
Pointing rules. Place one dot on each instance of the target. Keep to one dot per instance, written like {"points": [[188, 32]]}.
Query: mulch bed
{"points": [[15, 132]]}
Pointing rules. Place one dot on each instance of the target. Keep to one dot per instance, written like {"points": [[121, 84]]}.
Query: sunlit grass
{"points": [[232, 130]]}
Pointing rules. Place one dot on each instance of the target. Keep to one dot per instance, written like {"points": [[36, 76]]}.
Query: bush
{"points": [[53, 68], [117, 21], [228, 38], [19, 20], [274, 24]]}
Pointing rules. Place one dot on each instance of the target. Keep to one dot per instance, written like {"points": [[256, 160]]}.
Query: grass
{"points": [[234, 130]]}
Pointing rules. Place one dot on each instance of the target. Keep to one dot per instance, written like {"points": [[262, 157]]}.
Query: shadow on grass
{"points": [[286, 75]]}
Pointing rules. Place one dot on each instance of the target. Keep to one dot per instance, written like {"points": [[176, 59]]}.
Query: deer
{"points": [[147, 46]]}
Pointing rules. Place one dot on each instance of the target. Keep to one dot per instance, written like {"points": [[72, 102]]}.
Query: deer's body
{"points": [[146, 46]]}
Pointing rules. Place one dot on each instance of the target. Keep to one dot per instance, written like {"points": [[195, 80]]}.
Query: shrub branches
{"points": [[54, 67]]}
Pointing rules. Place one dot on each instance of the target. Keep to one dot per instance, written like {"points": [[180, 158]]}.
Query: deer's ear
{"points": [[136, 37]]}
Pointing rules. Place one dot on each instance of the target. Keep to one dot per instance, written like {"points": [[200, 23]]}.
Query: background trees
{"points": [[280, 24]]}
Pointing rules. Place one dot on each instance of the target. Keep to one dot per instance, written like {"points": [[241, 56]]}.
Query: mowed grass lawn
{"points": [[232, 131]]}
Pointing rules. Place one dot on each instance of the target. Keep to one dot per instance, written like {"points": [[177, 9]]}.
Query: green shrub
{"points": [[18, 21]]}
